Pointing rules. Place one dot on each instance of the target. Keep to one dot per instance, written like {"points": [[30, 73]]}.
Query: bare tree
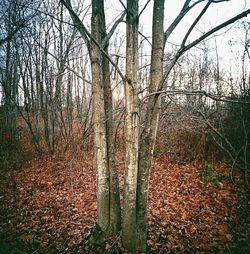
{"points": [[108, 200]]}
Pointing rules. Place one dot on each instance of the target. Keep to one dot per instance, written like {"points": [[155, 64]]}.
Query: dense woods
{"points": [[115, 141]]}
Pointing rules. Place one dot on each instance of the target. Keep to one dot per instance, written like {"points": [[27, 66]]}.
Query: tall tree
{"points": [[148, 134], [108, 196]]}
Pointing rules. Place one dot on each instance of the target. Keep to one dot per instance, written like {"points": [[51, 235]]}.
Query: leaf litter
{"points": [[50, 206]]}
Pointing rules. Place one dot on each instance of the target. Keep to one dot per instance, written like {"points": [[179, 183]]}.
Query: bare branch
{"points": [[232, 153], [217, 28], [183, 49], [195, 22], [185, 9], [145, 38], [57, 59], [80, 26], [19, 27], [105, 41], [144, 7], [200, 92], [195, 3], [87, 35], [123, 5]]}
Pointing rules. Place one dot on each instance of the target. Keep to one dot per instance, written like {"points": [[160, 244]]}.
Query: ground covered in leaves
{"points": [[49, 206]]}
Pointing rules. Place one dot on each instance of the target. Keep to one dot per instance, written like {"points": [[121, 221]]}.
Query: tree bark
{"points": [[148, 135], [114, 190], [100, 141], [131, 128]]}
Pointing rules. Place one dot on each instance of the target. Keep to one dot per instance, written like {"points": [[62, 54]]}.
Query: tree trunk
{"points": [[131, 128], [115, 209], [114, 190], [148, 135], [108, 198], [99, 122], [7, 87]]}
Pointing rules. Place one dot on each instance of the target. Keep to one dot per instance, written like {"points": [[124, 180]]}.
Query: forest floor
{"points": [[49, 206]]}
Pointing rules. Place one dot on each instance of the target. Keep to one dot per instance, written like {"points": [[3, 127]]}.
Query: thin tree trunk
{"points": [[115, 208], [131, 128], [99, 122], [148, 136], [107, 189], [7, 86]]}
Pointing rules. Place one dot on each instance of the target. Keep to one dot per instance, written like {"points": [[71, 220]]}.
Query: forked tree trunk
{"points": [[131, 128], [148, 135], [99, 121], [108, 199]]}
